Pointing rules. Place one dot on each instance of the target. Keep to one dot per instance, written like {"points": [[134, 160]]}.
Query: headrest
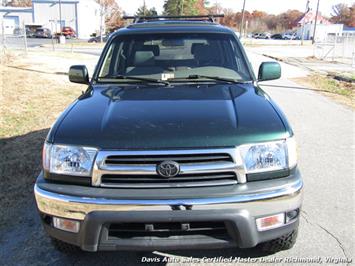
{"points": [[196, 46], [152, 48], [205, 53], [144, 58]]}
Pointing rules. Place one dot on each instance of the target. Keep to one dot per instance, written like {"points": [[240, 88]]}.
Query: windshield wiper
{"points": [[213, 78], [148, 80]]}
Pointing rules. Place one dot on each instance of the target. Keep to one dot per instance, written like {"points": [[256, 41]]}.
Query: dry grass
{"points": [[340, 91], [29, 104]]}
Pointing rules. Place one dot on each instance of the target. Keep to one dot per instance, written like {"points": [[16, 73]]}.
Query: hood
{"points": [[183, 116]]}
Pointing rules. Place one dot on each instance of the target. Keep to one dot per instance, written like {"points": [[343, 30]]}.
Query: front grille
{"points": [[161, 230], [156, 159], [138, 169]]}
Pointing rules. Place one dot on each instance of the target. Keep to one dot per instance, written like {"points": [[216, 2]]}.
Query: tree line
{"points": [[255, 21]]}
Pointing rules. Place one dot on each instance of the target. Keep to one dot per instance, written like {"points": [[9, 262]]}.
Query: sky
{"points": [[269, 6]]}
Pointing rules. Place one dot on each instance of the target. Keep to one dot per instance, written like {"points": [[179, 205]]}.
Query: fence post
{"points": [[25, 37], [3, 35], [334, 47]]}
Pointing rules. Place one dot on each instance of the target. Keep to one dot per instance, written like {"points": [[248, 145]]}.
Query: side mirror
{"points": [[79, 74], [269, 71]]}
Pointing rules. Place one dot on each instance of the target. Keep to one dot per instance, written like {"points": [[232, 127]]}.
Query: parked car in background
{"points": [[98, 39], [265, 35], [277, 36], [43, 33], [290, 36], [68, 32], [31, 30], [255, 35]]}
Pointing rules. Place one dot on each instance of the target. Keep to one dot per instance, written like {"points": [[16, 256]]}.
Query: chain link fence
{"points": [[30, 38], [15, 41], [337, 48]]}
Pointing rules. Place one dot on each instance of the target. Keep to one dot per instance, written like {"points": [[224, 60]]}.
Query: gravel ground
{"points": [[325, 134]]}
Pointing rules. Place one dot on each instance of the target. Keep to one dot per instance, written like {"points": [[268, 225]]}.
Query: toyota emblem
{"points": [[168, 169]]}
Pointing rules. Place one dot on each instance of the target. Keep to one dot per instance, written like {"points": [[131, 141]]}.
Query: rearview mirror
{"points": [[269, 71], [79, 74]]}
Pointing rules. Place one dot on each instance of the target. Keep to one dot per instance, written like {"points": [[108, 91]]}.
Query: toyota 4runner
{"points": [[172, 145]]}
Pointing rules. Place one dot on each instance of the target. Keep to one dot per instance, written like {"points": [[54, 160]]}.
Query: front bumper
{"points": [[238, 212]]}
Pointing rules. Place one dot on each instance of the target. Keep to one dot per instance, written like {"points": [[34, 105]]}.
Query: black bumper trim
{"points": [[93, 235]]}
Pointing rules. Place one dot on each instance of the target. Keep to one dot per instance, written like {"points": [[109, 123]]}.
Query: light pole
{"points": [[315, 24], [303, 22], [242, 22]]}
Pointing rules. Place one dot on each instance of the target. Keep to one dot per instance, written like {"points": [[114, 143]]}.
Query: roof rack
{"points": [[140, 19]]}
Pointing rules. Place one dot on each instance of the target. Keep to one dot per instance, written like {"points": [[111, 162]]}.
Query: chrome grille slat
{"points": [[150, 169], [119, 178], [137, 169]]}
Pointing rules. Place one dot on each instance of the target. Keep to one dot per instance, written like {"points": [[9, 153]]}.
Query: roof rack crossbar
{"points": [[139, 19]]}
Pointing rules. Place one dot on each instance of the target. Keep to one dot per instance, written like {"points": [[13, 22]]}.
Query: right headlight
{"points": [[269, 156], [68, 159]]}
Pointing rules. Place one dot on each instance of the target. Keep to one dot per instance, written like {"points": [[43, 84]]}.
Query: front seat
{"points": [[144, 64], [205, 55]]}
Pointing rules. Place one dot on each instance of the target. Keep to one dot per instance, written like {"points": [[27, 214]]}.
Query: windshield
{"points": [[174, 56]]}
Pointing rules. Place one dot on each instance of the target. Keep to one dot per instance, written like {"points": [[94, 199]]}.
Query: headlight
{"points": [[269, 156], [68, 160]]}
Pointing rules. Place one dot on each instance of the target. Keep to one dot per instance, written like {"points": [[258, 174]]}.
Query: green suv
{"points": [[172, 146]]}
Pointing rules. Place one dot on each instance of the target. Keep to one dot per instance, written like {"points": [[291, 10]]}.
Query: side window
{"points": [[239, 60], [105, 70]]}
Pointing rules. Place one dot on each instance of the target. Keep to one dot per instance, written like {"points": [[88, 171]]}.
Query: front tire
{"points": [[282, 243], [64, 247]]}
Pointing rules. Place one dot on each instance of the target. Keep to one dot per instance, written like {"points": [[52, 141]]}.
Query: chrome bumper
{"points": [[266, 201]]}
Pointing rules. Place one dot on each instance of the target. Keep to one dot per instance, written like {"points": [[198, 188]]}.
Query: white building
{"points": [[81, 15], [322, 31], [324, 27], [14, 17]]}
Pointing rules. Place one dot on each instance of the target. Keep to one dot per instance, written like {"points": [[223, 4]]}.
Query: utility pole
{"points": [[144, 8], [304, 18], [242, 22], [315, 24], [60, 16], [101, 17]]}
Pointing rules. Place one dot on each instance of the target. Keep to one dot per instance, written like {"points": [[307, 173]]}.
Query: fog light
{"points": [[270, 222], [66, 224], [291, 215]]}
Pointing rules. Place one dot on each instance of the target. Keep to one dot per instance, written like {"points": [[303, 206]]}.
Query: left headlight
{"points": [[269, 156], [68, 160]]}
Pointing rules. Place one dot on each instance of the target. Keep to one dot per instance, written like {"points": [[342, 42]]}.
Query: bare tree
{"points": [[19, 3], [344, 14], [110, 16]]}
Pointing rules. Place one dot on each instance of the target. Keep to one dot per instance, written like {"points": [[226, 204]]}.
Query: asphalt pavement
{"points": [[325, 135]]}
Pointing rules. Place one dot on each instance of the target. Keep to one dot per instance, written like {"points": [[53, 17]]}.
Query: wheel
{"points": [[282, 243], [64, 247]]}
